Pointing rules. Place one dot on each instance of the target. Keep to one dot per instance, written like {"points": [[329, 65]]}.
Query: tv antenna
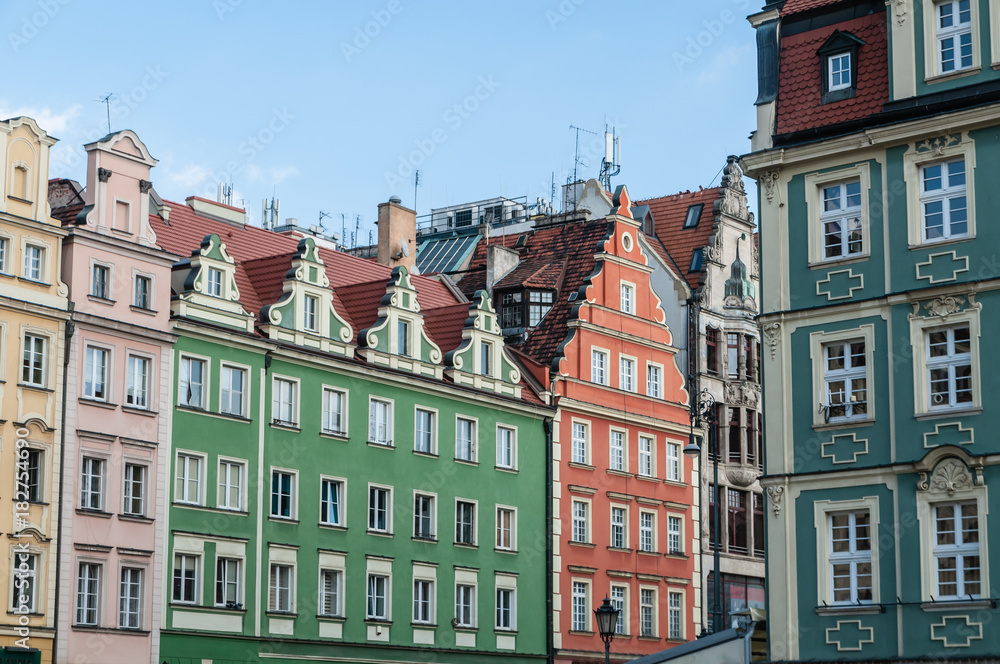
{"points": [[324, 215], [611, 164], [416, 183], [576, 155], [106, 100], [357, 228]]}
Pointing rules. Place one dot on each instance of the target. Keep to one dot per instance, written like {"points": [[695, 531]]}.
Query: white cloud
{"points": [[190, 176], [53, 122], [725, 62], [279, 175]]}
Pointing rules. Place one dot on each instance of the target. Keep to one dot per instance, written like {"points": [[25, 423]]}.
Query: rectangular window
{"points": [[188, 474], [506, 445], [379, 506], [3, 254], [949, 367], [424, 431], [954, 35], [331, 506], [581, 522], [310, 305], [712, 351], [137, 387], [505, 609], [402, 337], [130, 599], [647, 529], [92, 483], [135, 490], [233, 390], [617, 442], [621, 605], [647, 612], [465, 605], [88, 590], [511, 311], [599, 367], [423, 601], [378, 597], [33, 258], [539, 304], [185, 578], [840, 217], [95, 377], [192, 382], [735, 436], [280, 589], [282, 495], [737, 521], [618, 535], [423, 517], [379, 422], [506, 528], [674, 535], [758, 525], [330, 581], [580, 436], [851, 558], [34, 470], [626, 374], [33, 361], [733, 355], [228, 582], [674, 462], [283, 404], [675, 608], [333, 411], [839, 66], [26, 578], [214, 284], [465, 522], [581, 607], [654, 381], [485, 353], [748, 357], [465, 439], [645, 456], [142, 292], [628, 299], [230, 485], [99, 282], [943, 204], [957, 567]]}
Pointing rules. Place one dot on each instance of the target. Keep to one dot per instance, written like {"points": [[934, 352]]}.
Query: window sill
{"points": [[206, 508], [647, 478], [504, 632], [675, 483], [466, 628], [110, 630], [619, 473], [931, 244], [37, 388], [135, 518], [35, 281], [501, 550], [229, 609], [281, 614], [285, 426], [282, 519], [837, 262], [98, 403], [332, 526], [101, 514], [384, 446], [952, 412], [587, 545], [648, 638], [581, 466], [377, 621], [429, 455], [849, 610], [100, 300], [960, 605], [423, 625], [575, 632], [139, 411], [428, 540], [466, 545], [336, 619], [34, 614], [378, 533], [506, 469], [960, 73], [615, 549], [466, 462], [142, 310], [649, 553], [676, 555], [843, 424], [334, 435]]}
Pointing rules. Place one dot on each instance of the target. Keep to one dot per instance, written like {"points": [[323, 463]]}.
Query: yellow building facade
{"points": [[33, 330]]}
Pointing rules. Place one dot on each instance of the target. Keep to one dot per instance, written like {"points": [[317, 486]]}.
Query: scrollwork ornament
{"points": [[775, 493], [772, 332]]}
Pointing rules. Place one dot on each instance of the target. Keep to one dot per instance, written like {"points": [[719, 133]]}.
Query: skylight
{"points": [[693, 215]]}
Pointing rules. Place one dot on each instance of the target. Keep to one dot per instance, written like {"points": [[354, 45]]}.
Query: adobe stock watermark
{"points": [[23, 572], [454, 116], [32, 24], [223, 7], [714, 28], [562, 12], [364, 34]]}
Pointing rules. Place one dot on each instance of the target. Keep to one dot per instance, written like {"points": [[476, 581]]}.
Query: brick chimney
{"points": [[397, 235]]}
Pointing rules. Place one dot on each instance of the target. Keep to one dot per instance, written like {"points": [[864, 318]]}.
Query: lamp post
{"points": [[607, 618], [703, 410]]}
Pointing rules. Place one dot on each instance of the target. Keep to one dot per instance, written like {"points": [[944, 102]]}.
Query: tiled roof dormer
{"points": [[480, 361], [206, 287], [305, 313], [398, 339]]}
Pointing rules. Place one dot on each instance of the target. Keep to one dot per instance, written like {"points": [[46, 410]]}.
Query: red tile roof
{"points": [[799, 6], [800, 76], [669, 213], [445, 324]]}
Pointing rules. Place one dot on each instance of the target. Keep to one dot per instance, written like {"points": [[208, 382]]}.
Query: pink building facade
{"points": [[117, 424]]}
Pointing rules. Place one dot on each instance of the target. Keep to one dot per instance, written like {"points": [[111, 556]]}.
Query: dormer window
{"points": [[310, 305], [403, 337], [511, 310], [540, 302], [839, 69], [693, 216], [839, 58], [214, 285]]}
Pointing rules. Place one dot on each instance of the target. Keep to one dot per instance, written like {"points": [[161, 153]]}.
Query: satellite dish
{"points": [[404, 249]]}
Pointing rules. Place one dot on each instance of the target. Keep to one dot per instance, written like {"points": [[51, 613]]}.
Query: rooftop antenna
{"points": [[343, 228], [357, 228], [416, 183], [611, 164], [106, 100], [324, 215], [576, 156], [270, 213]]}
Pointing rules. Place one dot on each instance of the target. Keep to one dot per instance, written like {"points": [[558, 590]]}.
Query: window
{"points": [[505, 609], [954, 35], [214, 285], [627, 298], [733, 355], [581, 522], [424, 431], [99, 281], [506, 528], [693, 215], [943, 204], [539, 304], [697, 259], [33, 258], [310, 305], [674, 535], [506, 446], [619, 601], [840, 218], [378, 597], [712, 351], [485, 353], [233, 390], [674, 462], [675, 603], [850, 558], [3, 254], [647, 531], [137, 387], [228, 582], [758, 524], [280, 589], [581, 434], [135, 489], [34, 470], [949, 367], [619, 539], [282, 494], [379, 506], [465, 605], [192, 380], [185, 578], [142, 292], [330, 581], [645, 456], [581, 607], [737, 521], [957, 568], [188, 474], [26, 579], [333, 411], [331, 505], [839, 68], [91, 485], [423, 601], [380, 422], [626, 379], [511, 310], [647, 612], [599, 367], [130, 599], [403, 337], [283, 404], [230, 485], [424, 521], [617, 446], [465, 522], [465, 439], [846, 380], [95, 377], [654, 381], [88, 590]]}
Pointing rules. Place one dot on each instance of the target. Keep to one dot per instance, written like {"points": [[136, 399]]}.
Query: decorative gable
{"points": [[397, 339], [305, 313], [480, 360], [206, 287]]}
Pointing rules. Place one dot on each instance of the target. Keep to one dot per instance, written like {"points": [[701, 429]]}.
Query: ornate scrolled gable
{"points": [[380, 342], [190, 281], [465, 363], [286, 318]]}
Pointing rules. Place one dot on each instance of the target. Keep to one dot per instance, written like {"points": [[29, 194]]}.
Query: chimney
{"points": [[499, 261], [397, 234]]}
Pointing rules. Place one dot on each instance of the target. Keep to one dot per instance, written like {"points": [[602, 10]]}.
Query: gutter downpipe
{"points": [[68, 336], [550, 641]]}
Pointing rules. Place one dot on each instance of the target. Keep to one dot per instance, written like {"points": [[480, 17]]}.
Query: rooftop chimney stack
{"points": [[397, 234]]}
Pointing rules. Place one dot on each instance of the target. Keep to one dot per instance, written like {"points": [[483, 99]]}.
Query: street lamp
{"points": [[607, 618], [704, 410]]}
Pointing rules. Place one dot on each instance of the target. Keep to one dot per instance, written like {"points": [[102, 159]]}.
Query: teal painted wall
{"points": [[981, 40]]}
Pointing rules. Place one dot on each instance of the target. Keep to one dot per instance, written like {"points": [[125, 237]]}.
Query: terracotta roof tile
{"points": [[669, 213], [66, 215], [799, 6], [445, 324]]}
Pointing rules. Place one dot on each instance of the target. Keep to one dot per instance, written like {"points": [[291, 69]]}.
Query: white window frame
{"points": [[619, 595], [90, 372], [224, 581], [89, 495], [830, 60], [183, 496], [226, 392], [844, 216], [129, 485], [30, 270], [215, 287], [654, 380], [424, 593], [196, 560], [599, 361], [460, 524], [675, 615], [432, 519], [35, 357], [945, 195], [310, 314], [31, 559], [96, 268], [465, 606], [373, 516], [341, 496], [675, 533], [822, 509], [136, 302], [580, 609], [953, 32], [919, 327], [386, 437], [647, 535], [613, 449], [205, 384], [579, 443], [473, 448], [337, 595], [326, 425], [849, 376], [293, 494], [5, 261], [92, 595], [647, 457], [949, 363], [372, 583], [431, 432], [614, 525], [627, 300], [675, 462], [648, 612], [507, 461], [280, 406], [577, 519], [913, 163], [815, 183], [852, 558], [512, 534], [626, 373], [275, 587], [817, 343], [506, 616], [224, 486], [131, 392], [130, 607]]}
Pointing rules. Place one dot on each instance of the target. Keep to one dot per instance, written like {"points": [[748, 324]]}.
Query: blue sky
{"points": [[331, 105]]}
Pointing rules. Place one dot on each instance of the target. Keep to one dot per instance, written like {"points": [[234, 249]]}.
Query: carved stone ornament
{"points": [[951, 475], [734, 204], [775, 494], [769, 180], [741, 394], [772, 333], [900, 7], [938, 145], [754, 259], [743, 477], [145, 186], [103, 174], [944, 306]]}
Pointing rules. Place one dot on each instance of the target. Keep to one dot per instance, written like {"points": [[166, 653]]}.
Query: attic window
{"points": [[839, 71], [695, 261], [839, 62], [693, 215]]}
